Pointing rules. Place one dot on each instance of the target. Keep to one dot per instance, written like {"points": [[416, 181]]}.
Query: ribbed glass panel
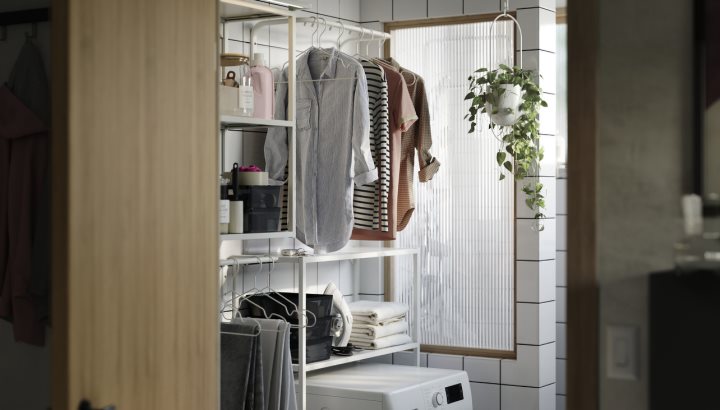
{"points": [[463, 222]]}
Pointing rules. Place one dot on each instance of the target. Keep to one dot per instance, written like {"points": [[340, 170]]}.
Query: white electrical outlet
{"points": [[622, 352]]}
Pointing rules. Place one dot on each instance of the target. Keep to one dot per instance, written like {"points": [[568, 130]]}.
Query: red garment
{"points": [[24, 155]]}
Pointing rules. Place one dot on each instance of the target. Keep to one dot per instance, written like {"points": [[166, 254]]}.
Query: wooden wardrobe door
{"points": [[135, 184]]}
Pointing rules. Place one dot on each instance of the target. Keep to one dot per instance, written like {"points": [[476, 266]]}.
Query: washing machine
{"points": [[373, 386]]}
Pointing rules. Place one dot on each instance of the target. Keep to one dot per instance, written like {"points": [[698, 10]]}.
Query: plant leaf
{"points": [[508, 165], [501, 157]]}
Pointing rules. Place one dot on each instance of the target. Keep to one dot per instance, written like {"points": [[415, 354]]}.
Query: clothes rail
{"points": [[10, 18], [247, 260], [376, 35]]}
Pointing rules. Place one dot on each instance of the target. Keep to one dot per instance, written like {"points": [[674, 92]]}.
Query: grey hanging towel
{"points": [[241, 369]]}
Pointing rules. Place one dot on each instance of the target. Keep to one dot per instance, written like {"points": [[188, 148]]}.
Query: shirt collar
{"points": [[330, 70]]}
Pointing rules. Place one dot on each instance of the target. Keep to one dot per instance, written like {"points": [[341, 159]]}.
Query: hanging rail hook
{"points": [[367, 45], [342, 28], [362, 36], [325, 27], [33, 32], [316, 24]]}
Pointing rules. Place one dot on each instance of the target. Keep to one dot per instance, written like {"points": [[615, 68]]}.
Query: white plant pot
{"points": [[508, 107]]}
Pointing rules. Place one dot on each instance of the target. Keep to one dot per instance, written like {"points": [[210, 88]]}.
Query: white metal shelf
{"points": [[259, 235], [248, 9], [350, 254], [236, 121], [357, 356]]}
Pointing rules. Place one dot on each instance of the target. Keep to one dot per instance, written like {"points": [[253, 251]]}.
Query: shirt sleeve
{"points": [[405, 113], [429, 165], [363, 164], [276, 141]]}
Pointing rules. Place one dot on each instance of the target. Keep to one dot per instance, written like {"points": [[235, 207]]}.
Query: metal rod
{"points": [[379, 35], [302, 343], [248, 260], [11, 18]]}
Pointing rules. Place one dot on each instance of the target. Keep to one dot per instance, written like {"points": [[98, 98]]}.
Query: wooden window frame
{"points": [[388, 263]]}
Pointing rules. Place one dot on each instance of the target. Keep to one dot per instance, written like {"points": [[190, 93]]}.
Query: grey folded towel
{"points": [[241, 371]]}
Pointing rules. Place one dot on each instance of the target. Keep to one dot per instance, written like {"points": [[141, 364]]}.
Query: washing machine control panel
{"points": [[445, 397]]}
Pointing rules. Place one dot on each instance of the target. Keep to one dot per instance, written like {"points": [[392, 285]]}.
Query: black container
{"points": [[321, 328], [257, 220], [316, 349], [319, 305], [259, 196]]}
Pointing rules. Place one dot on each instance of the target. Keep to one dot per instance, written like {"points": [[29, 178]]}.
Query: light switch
{"points": [[622, 352]]}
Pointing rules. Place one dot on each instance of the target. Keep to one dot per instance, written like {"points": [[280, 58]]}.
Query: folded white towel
{"points": [[367, 320], [370, 332], [376, 312], [383, 342]]}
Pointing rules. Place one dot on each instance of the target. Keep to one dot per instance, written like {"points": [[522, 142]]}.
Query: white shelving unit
{"points": [[264, 14], [256, 12], [354, 255]]}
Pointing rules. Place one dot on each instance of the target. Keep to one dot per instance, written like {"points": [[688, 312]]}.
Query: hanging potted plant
{"points": [[511, 99]]}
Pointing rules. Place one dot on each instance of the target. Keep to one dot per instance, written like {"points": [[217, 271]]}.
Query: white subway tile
{"points": [[327, 272], [561, 339], [445, 8], [548, 117], [525, 398], [485, 396], [561, 268], [548, 4], [372, 278], [535, 323], [445, 361], [561, 190], [308, 5], [329, 7], [276, 245], [481, 369], [375, 10], [257, 246], [533, 367], [548, 165], [548, 192], [282, 278], [535, 281], [543, 64], [538, 27], [562, 232], [409, 9], [408, 359], [387, 359], [533, 244], [347, 284], [374, 298], [561, 305], [481, 6], [561, 371], [350, 10]]}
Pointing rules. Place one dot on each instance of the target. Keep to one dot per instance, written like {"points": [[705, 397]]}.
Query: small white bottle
{"points": [[245, 97]]}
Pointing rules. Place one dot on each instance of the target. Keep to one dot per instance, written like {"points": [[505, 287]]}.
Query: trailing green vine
{"points": [[520, 151]]}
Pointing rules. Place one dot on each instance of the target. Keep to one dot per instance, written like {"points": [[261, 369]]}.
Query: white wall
{"points": [[24, 369]]}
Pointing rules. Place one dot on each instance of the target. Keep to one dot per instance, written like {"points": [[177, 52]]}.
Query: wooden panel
{"points": [[582, 311], [136, 233]]}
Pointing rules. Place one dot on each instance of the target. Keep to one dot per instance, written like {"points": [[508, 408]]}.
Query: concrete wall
{"points": [[644, 120]]}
